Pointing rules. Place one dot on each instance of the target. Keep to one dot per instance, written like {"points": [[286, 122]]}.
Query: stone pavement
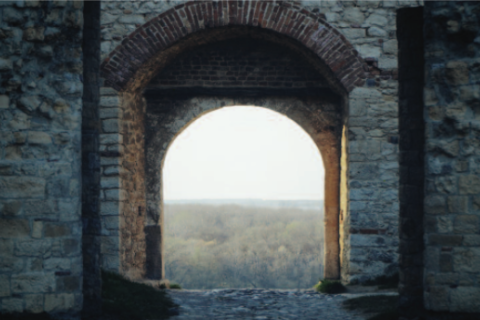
{"points": [[261, 304]]}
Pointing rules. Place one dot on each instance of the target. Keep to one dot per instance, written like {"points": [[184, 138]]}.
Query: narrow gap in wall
{"points": [[412, 140], [243, 190], [92, 284]]}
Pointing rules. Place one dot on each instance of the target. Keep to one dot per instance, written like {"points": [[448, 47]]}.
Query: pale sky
{"points": [[243, 152]]}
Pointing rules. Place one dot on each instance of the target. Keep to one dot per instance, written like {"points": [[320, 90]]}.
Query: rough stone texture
{"points": [[40, 123], [452, 287], [122, 206], [319, 116], [150, 32], [351, 45]]}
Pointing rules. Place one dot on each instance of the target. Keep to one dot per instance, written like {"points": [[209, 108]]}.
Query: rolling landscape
{"points": [[244, 243]]}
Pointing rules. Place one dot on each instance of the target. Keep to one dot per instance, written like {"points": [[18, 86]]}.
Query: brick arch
{"points": [[133, 63]]}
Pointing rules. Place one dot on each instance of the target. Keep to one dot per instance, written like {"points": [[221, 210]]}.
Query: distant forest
{"points": [[232, 246]]}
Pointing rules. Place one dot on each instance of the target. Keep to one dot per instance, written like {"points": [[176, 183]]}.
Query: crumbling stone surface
{"points": [[40, 127], [352, 49], [451, 161], [135, 33]]}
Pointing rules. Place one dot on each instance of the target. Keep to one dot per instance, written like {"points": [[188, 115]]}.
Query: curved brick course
{"points": [[285, 18]]}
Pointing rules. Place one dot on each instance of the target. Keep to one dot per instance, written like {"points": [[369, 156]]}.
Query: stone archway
{"points": [[132, 242], [316, 114], [147, 50]]}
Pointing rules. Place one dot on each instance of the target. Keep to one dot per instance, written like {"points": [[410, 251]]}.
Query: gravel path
{"points": [[261, 304]]}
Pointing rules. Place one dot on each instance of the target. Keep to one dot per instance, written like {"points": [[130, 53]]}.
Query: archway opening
{"points": [[243, 191]]}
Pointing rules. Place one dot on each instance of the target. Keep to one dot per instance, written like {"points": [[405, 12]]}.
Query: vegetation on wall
{"points": [[231, 246]]}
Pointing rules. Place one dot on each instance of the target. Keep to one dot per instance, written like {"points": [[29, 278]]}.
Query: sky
{"points": [[243, 153]]}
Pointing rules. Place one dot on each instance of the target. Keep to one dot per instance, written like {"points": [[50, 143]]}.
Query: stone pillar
{"points": [[452, 191], [412, 136], [92, 281]]}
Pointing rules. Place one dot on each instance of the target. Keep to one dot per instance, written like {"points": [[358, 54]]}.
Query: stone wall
{"points": [[239, 63], [40, 141], [122, 195], [452, 221], [40, 137], [134, 51]]}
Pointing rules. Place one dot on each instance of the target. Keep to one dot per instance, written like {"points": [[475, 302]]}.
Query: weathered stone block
{"points": [[54, 230], [446, 263], [12, 208], [366, 240], [383, 110], [32, 283], [471, 240], [4, 102], [13, 153], [109, 113], [466, 259], [444, 224], [358, 108], [377, 32], [14, 228], [469, 184], [56, 264], [5, 64], [437, 298], [34, 303], [12, 305], [68, 283], [71, 247], [6, 246], [34, 34], [365, 93], [390, 47], [33, 248], [110, 245], [107, 91], [457, 204], [364, 171], [444, 240], [111, 222], [39, 137], [109, 102], [111, 170], [457, 72], [29, 104], [116, 194], [132, 19], [59, 302], [58, 188], [4, 286], [377, 20], [465, 299], [110, 208], [369, 51], [111, 125], [435, 204], [9, 264], [466, 224], [368, 147], [111, 262], [110, 182], [21, 187], [111, 138]]}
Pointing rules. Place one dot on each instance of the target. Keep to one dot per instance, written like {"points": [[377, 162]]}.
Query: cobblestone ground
{"points": [[261, 304]]}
